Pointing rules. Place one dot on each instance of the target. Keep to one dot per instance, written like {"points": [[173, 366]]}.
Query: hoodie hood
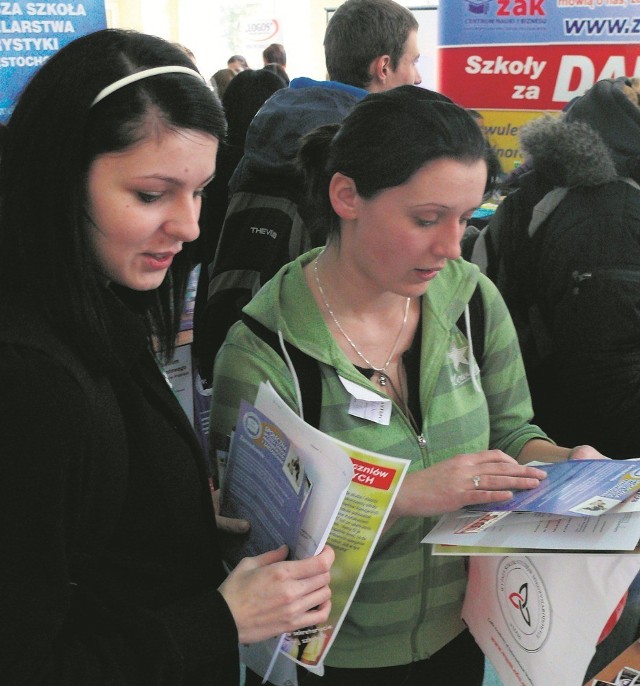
{"points": [[290, 113], [595, 142], [607, 108]]}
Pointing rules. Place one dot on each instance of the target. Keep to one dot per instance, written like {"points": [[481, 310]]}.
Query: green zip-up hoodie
{"points": [[409, 602]]}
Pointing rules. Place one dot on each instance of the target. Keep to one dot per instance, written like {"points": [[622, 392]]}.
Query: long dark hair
{"points": [[381, 143], [244, 96], [54, 135]]}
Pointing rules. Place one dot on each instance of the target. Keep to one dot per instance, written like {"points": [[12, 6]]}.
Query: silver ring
{"points": [[476, 481]]}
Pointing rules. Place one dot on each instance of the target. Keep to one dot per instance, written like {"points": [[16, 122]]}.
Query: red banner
{"points": [[531, 77]]}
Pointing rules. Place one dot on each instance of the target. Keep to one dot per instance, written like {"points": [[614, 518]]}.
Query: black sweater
{"points": [[109, 562]]}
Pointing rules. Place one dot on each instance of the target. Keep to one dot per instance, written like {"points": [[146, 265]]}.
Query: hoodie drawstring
{"points": [[294, 376], [474, 369]]}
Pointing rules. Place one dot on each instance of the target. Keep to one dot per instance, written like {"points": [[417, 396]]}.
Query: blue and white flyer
{"points": [[266, 483], [578, 488]]}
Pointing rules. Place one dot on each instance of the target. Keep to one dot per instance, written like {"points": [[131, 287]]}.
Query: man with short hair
{"points": [[275, 54], [237, 63], [370, 46]]}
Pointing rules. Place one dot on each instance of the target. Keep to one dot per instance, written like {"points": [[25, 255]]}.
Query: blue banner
{"points": [[526, 22], [30, 32]]}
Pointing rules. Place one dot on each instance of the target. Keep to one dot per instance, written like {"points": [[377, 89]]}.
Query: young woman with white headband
{"points": [[110, 568]]}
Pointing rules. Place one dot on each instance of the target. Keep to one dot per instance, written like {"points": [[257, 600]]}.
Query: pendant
{"points": [[382, 379]]}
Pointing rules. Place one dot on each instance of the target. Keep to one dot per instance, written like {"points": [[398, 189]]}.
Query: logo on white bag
{"points": [[524, 602]]}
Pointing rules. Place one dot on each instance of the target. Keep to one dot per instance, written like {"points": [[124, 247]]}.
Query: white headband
{"points": [[132, 78]]}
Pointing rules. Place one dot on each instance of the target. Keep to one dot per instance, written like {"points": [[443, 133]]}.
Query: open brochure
{"points": [[267, 483], [576, 488], [302, 487], [494, 532]]}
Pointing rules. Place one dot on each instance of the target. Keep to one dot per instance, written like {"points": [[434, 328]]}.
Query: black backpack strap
{"points": [[476, 316], [306, 368]]}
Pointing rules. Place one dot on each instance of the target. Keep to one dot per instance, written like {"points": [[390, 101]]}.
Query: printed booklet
{"points": [[299, 486], [583, 506], [577, 488]]}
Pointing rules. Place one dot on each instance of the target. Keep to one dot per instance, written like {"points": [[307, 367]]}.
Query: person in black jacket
{"points": [[570, 270], [244, 96], [111, 572]]}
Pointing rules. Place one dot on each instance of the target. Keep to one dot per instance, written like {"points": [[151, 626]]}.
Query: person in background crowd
{"points": [[370, 45], [571, 280], [220, 80], [512, 179], [275, 54], [246, 93], [386, 306], [279, 70], [111, 572], [238, 63]]}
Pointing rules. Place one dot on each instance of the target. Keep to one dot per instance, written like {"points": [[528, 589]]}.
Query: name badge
{"points": [[366, 404]]}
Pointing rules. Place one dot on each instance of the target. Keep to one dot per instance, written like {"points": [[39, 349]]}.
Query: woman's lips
{"points": [[427, 274], [159, 260]]}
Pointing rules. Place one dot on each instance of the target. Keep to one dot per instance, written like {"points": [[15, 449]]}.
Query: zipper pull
{"points": [[578, 278], [422, 441]]}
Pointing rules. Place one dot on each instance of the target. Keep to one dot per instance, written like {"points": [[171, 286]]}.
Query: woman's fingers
{"points": [[268, 595]]}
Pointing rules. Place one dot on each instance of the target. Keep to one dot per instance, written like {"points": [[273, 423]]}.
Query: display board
{"points": [[30, 32], [516, 59]]}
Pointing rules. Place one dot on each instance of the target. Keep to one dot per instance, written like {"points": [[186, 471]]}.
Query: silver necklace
{"points": [[381, 371]]}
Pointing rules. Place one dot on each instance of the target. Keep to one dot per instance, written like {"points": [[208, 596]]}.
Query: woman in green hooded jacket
{"points": [[385, 306]]}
